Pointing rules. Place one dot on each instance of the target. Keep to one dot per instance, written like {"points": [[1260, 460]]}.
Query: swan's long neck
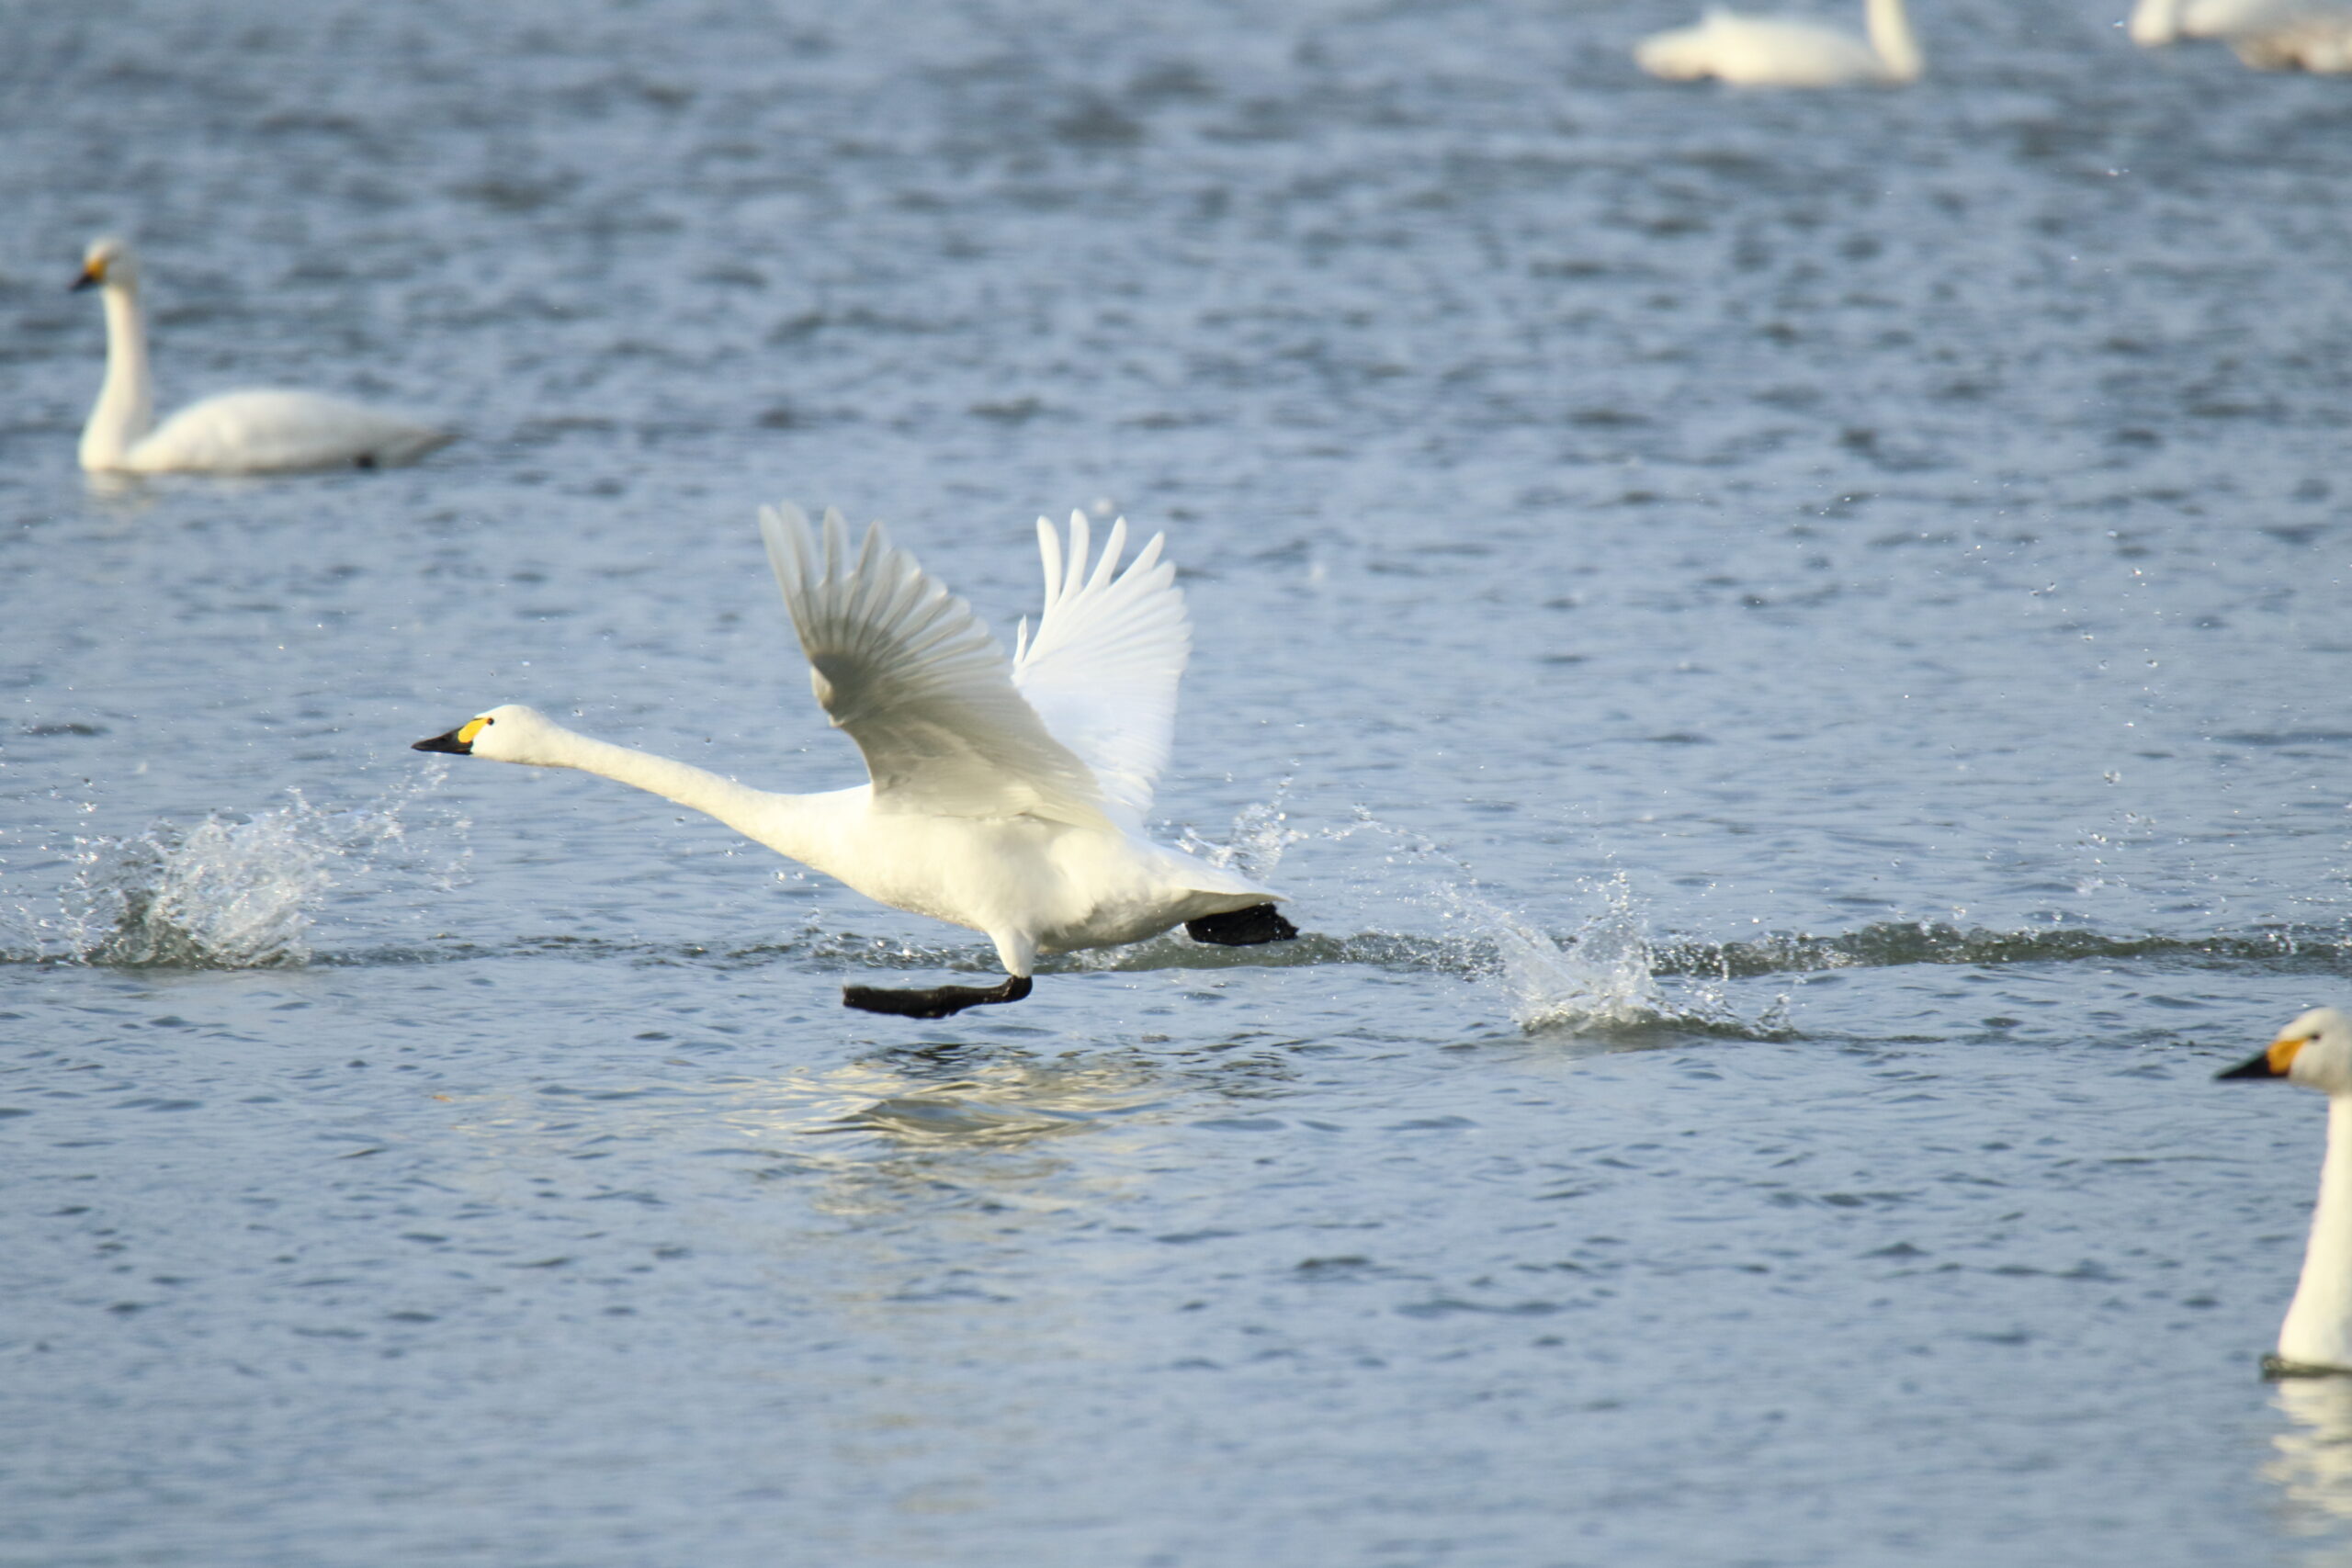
{"points": [[791, 825], [126, 407], [1891, 36], [2156, 22], [2318, 1330]]}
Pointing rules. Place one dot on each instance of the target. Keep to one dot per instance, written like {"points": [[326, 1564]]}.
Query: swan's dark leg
{"points": [[1252, 927], [937, 1001]]}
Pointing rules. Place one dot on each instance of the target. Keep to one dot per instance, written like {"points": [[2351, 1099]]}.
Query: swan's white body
{"points": [[1785, 52], [1004, 797], [248, 432], [2315, 1052], [2269, 35]]}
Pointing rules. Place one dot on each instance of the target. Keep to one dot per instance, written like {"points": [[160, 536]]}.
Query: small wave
{"points": [[227, 893]]}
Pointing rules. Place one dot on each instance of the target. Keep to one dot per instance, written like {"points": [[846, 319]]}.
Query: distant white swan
{"points": [[2269, 35], [235, 432], [1785, 52], [2316, 1051], [1006, 798]]}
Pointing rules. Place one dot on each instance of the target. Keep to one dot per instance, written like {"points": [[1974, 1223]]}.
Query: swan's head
{"points": [[109, 263], [509, 734], [2314, 1051]]}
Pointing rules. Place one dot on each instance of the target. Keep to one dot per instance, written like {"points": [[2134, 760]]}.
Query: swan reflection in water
{"points": [[997, 1109], [2311, 1461], [947, 1099]]}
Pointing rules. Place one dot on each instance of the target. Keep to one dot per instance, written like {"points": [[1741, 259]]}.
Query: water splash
{"points": [[1606, 975], [1600, 977], [1262, 831], [227, 893]]}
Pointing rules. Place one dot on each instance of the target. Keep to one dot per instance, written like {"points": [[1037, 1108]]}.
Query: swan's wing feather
{"points": [[1102, 668], [909, 671]]}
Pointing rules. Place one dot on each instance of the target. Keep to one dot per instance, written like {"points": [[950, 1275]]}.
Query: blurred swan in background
{"points": [[2315, 1052], [2269, 35], [235, 432], [1005, 797], [1785, 52]]}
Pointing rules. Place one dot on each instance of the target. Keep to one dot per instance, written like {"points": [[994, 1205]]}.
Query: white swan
{"points": [[1785, 52], [2316, 1051], [2269, 35], [235, 432], [1005, 797]]}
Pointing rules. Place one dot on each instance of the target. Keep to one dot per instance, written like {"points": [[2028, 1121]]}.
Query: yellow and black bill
{"points": [[2272, 1064], [93, 274], [458, 742]]}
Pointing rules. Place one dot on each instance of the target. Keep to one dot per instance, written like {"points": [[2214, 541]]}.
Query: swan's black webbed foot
{"points": [[936, 1001], [1252, 927]]}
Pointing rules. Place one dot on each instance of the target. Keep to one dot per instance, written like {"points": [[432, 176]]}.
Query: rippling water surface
{"points": [[1790, 650]]}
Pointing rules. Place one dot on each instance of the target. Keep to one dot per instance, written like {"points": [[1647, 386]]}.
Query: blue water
{"points": [[1789, 650]]}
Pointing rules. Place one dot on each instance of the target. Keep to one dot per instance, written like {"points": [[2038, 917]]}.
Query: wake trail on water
{"points": [[250, 892], [229, 892]]}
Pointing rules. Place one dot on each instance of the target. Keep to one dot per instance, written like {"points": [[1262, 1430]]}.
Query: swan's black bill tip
{"points": [[934, 1001], [2259, 1067], [1252, 927], [450, 743]]}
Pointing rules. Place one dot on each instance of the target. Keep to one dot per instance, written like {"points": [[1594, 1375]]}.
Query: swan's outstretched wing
{"points": [[920, 685], [1102, 670]]}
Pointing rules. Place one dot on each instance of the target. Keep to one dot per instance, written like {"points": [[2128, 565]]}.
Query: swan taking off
{"points": [[235, 432], [1007, 797], [2269, 35], [1785, 52], [2316, 1051]]}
